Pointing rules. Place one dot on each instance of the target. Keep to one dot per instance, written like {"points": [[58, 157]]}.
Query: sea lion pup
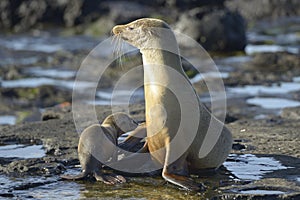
{"points": [[97, 144], [167, 141]]}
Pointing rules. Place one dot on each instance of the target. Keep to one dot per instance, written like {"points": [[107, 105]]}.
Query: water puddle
{"points": [[273, 103], [264, 192], [209, 75], [18, 61], [22, 151], [296, 79], [251, 167], [245, 167], [282, 88], [51, 73], [67, 190], [47, 43], [252, 49], [236, 59], [37, 82], [38, 188], [8, 119], [118, 97], [282, 39], [30, 44]]}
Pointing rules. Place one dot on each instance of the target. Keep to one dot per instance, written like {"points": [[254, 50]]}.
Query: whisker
{"points": [[120, 51], [115, 45], [113, 39]]}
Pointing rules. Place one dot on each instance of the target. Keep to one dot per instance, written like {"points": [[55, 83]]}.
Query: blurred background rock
{"points": [[216, 24]]}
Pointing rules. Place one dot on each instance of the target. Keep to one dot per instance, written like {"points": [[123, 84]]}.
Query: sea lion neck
{"points": [[160, 61], [112, 131]]}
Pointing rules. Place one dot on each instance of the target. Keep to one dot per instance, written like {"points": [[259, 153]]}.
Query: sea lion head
{"points": [[141, 33], [121, 122]]}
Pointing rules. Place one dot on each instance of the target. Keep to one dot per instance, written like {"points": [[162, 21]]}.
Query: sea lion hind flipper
{"points": [[109, 179]]}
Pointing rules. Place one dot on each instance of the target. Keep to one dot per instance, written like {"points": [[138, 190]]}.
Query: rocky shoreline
{"points": [[59, 138]]}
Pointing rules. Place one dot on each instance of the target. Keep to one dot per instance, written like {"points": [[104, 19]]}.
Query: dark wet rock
{"points": [[242, 146], [188, 4], [119, 12], [214, 28], [11, 73], [43, 96], [27, 186], [180, 4], [238, 146], [33, 166], [265, 69], [8, 195], [229, 118], [268, 188], [257, 9], [275, 62], [57, 112], [22, 15]]}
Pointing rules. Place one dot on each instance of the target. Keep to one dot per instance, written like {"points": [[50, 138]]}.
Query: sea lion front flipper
{"points": [[109, 179], [177, 172], [80, 176], [183, 181], [134, 138]]}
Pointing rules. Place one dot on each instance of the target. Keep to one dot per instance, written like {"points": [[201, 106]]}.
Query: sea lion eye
{"points": [[130, 28]]}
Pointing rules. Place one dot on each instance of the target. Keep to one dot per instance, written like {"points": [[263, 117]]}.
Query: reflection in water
{"points": [[273, 103], [22, 151], [209, 75], [252, 49], [38, 188], [18, 61], [118, 97], [269, 192], [37, 82], [282, 39], [30, 44], [283, 88], [296, 79], [8, 119], [47, 43], [57, 190], [52, 73], [250, 167]]}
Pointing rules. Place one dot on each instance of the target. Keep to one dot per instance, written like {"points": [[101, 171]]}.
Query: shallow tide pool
{"points": [[238, 168]]}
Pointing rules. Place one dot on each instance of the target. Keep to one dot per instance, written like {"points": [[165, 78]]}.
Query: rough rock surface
{"points": [[22, 15], [214, 28], [273, 9]]}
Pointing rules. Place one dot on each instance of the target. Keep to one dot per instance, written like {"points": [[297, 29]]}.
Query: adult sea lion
{"points": [[175, 148], [97, 144]]}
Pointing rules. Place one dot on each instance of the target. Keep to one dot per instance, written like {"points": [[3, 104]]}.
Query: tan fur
{"points": [[151, 36]]}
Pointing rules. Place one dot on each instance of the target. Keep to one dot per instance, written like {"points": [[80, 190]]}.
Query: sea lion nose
{"points": [[117, 30]]}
